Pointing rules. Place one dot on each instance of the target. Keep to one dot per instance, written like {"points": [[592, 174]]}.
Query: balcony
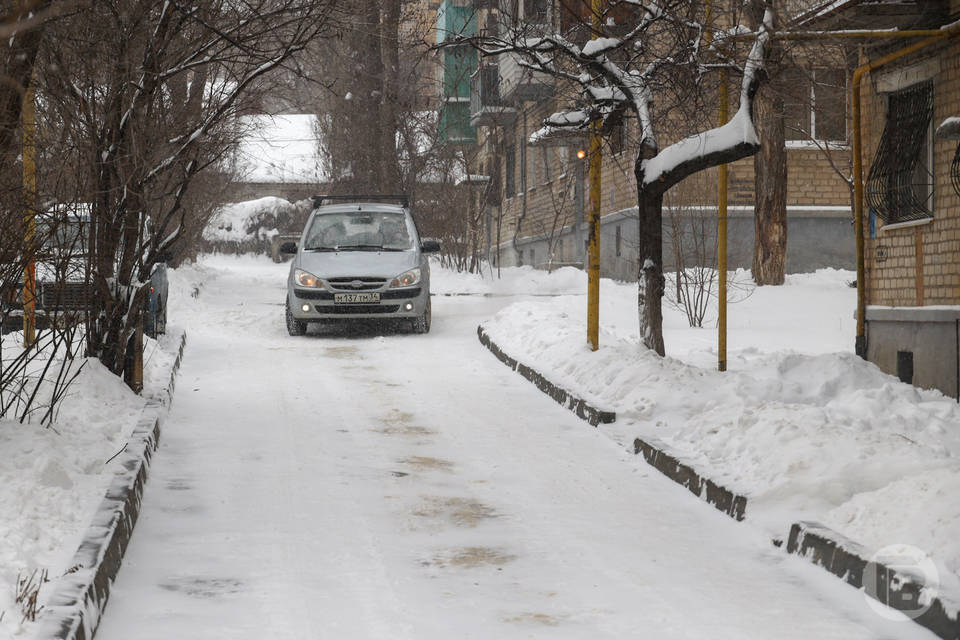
{"points": [[454, 126], [487, 109], [518, 84]]}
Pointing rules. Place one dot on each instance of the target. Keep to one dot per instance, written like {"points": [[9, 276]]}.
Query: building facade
{"points": [[911, 173], [535, 213]]}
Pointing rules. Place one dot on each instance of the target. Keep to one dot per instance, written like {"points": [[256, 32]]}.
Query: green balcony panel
{"points": [[455, 124], [456, 18], [459, 63]]}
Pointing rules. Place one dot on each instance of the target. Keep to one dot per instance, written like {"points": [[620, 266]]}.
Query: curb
{"points": [[730, 503], [849, 561], [822, 546], [74, 609], [579, 406], [725, 500]]}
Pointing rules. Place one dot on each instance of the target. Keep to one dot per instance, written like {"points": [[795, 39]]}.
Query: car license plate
{"points": [[355, 298]]}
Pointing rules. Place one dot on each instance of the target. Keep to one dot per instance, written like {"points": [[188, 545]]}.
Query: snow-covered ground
{"points": [[798, 423], [53, 478], [383, 485], [400, 486]]}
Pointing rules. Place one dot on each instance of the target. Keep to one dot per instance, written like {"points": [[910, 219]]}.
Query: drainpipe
{"points": [[861, 339]]}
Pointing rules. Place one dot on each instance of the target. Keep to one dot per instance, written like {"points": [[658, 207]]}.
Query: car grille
{"points": [[307, 294], [372, 309], [356, 284], [389, 294], [400, 294]]}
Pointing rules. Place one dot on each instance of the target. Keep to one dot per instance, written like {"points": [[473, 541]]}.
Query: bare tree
{"points": [[147, 93], [660, 53]]}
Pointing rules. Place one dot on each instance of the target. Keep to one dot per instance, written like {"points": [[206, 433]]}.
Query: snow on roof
{"points": [[282, 149]]}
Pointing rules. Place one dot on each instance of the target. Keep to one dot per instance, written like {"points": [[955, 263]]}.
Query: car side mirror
{"points": [[288, 247], [430, 246]]}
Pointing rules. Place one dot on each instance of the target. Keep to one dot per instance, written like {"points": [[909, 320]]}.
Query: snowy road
{"points": [[412, 487]]}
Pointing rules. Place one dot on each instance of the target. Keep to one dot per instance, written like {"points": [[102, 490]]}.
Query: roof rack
{"points": [[403, 200]]}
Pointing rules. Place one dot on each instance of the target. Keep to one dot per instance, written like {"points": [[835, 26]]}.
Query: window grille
{"points": [[900, 184]]}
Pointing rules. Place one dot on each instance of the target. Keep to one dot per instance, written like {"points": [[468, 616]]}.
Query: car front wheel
{"points": [[422, 324], [294, 326]]}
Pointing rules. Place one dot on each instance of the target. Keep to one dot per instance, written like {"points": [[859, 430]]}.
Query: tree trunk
{"points": [[650, 281], [390, 52], [770, 195]]}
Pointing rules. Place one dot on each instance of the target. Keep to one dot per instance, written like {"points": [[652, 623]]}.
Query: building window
{"points": [[545, 164], [510, 171], [900, 184], [815, 104], [533, 258], [618, 136], [619, 239], [563, 160], [520, 258]]}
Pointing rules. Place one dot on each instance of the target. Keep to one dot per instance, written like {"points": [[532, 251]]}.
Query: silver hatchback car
{"points": [[361, 259]]}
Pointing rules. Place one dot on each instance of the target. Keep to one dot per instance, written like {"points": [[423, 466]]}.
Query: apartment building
{"points": [[911, 173], [535, 213]]}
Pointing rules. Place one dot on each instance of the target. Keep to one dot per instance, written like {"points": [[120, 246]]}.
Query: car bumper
{"points": [[319, 306]]}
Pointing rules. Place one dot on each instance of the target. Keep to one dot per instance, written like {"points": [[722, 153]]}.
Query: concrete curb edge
{"points": [[728, 502], [579, 406], [852, 563], [820, 545], [74, 609], [723, 499]]}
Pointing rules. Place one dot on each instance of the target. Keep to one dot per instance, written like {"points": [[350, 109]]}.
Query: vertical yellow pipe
{"points": [[30, 201], [722, 239], [593, 248]]}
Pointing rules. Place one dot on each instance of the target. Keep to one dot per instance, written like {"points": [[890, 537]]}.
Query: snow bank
{"points": [[52, 479], [248, 226], [800, 425]]}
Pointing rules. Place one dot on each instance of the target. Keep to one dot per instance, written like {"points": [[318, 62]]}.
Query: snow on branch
{"points": [[734, 140]]}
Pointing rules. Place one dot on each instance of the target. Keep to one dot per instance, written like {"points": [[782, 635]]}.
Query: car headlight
{"points": [[407, 278], [306, 279]]}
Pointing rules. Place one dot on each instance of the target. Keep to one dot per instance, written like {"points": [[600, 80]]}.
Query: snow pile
{"points": [[52, 479], [248, 226], [513, 281], [805, 433]]}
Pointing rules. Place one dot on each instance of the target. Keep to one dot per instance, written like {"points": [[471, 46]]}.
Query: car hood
{"points": [[346, 264]]}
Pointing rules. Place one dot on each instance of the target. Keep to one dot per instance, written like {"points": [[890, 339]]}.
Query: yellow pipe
{"points": [[861, 339], [722, 239], [29, 233], [593, 245]]}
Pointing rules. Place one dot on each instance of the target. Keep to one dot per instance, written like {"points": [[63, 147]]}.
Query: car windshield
{"points": [[358, 231]]}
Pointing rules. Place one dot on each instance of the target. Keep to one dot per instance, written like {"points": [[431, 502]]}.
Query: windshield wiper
{"points": [[360, 247], [320, 249]]}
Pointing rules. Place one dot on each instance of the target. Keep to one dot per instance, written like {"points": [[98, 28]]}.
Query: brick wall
{"points": [[550, 203], [919, 265]]}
